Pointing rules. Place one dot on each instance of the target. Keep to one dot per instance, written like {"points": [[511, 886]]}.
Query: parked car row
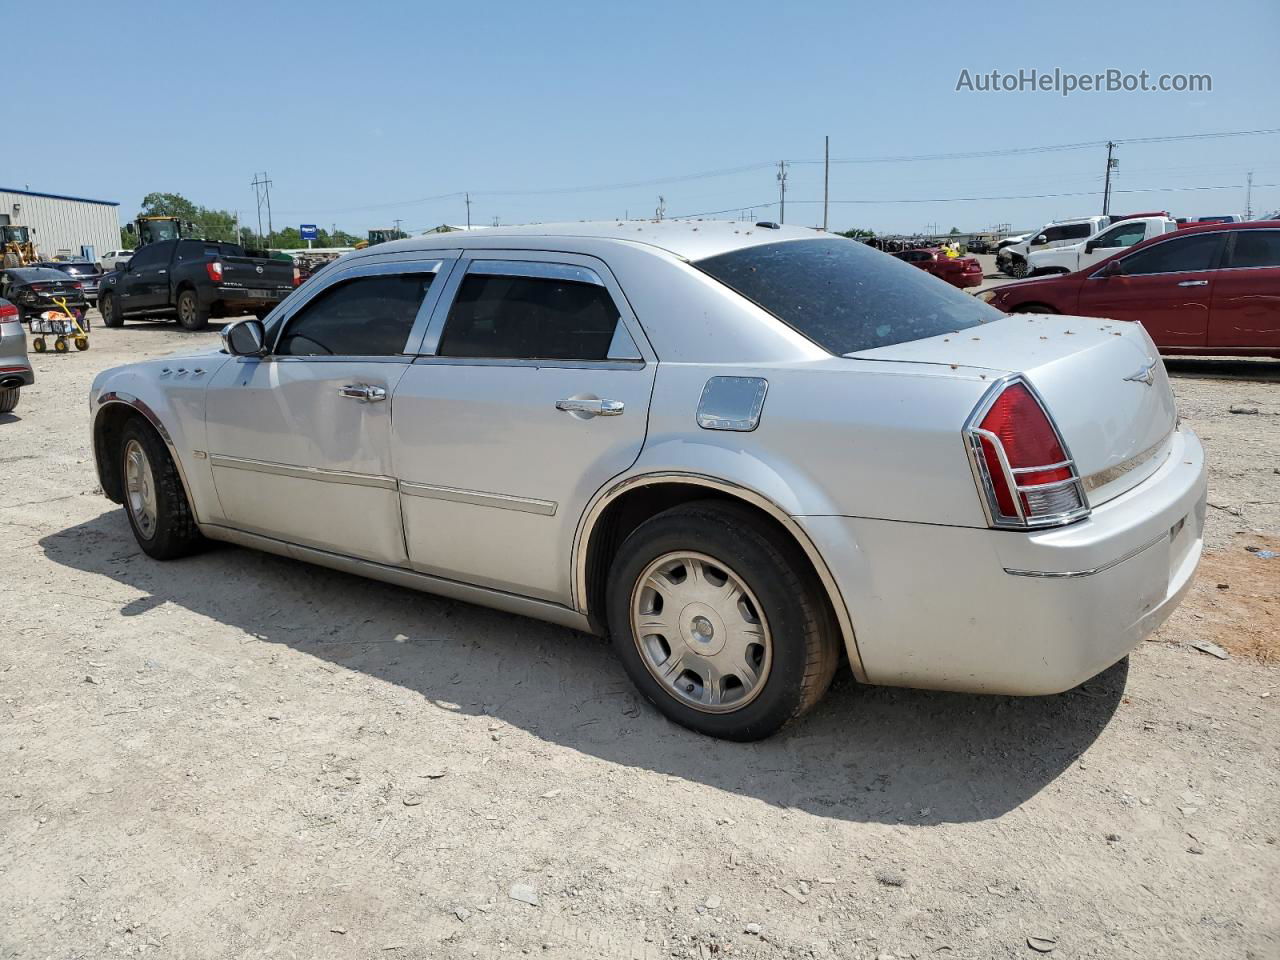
{"points": [[1205, 289], [955, 270], [33, 290]]}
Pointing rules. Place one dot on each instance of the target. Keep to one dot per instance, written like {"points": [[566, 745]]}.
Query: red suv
{"points": [[1210, 290]]}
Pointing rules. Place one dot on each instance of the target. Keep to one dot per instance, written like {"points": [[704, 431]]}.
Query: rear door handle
{"points": [[364, 392], [1194, 283], [592, 408]]}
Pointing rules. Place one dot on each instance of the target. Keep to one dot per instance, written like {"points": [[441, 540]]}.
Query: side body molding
{"points": [[596, 508]]}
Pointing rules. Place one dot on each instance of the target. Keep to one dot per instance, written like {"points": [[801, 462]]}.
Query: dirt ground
{"points": [[239, 755]]}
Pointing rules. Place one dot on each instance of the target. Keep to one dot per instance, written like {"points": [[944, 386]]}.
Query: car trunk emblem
{"points": [[1146, 375]]}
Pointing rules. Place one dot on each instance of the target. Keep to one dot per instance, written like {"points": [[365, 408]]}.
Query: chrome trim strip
{"points": [[522, 362], [303, 473], [582, 541], [1072, 574], [503, 501], [1102, 477], [404, 577]]}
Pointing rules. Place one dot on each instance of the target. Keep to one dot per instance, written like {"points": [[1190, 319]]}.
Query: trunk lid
{"points": [[1102, 382]]}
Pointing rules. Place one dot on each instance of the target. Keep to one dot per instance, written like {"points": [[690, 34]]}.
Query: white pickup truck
{"points": [[1108, 240], [1013, 259]]}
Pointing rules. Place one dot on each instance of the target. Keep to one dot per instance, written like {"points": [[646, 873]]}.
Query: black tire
{"points": [[805, 650], [191, 315], [1017, 268], [110, 310], [1033, 308], [9, 399], [175, 533]]}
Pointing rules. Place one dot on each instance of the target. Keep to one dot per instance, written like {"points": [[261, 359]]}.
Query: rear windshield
{"points": [[845, 296]]}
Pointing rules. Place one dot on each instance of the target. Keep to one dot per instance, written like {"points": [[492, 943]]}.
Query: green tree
{"points": [[857, 233], [207, 223], [953, 231]]}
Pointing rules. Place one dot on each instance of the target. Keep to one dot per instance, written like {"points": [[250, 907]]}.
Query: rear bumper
{"points": [[241, 296], [987, 611]]}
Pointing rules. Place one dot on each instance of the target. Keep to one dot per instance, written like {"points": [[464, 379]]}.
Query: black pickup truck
{"points": [[194, 280]]}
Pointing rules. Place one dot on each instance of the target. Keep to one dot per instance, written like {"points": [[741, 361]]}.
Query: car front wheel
{"points": [[154, 499], [718, 622], [1016, 269]]}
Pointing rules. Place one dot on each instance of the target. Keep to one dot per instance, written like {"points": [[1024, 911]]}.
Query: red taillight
{"points": [[214, 269], [1028, 478], [40, 287], [297, 276], [7, 312], [78, 286]]}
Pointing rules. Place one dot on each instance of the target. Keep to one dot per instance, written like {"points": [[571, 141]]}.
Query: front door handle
{"points": [[592, 408], [1194, 283], [364, 392]]}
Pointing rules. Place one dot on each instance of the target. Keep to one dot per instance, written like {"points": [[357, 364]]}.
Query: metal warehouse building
{"points": [[61, 224]]}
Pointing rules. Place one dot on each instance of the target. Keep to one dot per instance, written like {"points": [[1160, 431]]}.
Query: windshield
{"points": [[77, 269], [845, 296]]}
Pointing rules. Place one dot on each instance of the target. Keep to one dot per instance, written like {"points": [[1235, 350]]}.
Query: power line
{"points": [[761, 165]]}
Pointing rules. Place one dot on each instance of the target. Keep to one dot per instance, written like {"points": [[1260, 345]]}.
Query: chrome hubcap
{"points": [[140, 489], [701, 632]]}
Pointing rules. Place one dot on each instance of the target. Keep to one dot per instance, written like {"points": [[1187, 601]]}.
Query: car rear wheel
{"points": [[154, 499], [191, 315], [9, 399], [111, 316], [717, 623]]}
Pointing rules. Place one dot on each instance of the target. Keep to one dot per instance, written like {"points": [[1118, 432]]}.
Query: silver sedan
{"points": [[741, 451], [15, 367]]}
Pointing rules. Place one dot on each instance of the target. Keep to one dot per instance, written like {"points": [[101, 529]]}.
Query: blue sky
{"points": [[359, 111]]}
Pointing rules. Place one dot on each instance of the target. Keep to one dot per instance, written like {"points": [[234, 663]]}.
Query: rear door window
{"points": [[845, 296], [1256, 248], [501, 316]]}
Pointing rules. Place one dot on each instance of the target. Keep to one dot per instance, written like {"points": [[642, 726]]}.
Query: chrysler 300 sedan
{"points": [[742, 452]]}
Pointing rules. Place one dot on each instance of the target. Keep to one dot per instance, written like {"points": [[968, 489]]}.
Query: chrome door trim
{"points": [[303, 473], [403, 577], [503, 501], [519, 362], [528, 261], [434, 262], [1073, 574], [602, 499]]}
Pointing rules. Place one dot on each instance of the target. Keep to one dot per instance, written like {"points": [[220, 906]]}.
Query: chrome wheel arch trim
{"points": [[120, 398], [586, 527]]}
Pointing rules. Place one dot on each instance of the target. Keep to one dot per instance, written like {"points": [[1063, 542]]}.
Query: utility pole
{"points": [[662, 208], [782, 191], [259, 184], [826, 180], [396, 225], [1248, 197], [1112, 164], [468, 196]]}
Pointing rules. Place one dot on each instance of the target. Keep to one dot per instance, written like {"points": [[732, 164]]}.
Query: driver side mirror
{"points": [[1091, 246], [1040, 241], [1112, 269], [244, 338]]}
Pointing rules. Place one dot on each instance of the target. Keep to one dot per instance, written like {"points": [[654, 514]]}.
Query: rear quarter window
{"points": [[845, 296]]}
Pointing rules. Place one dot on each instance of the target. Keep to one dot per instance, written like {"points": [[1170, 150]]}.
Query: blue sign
{"points": [[308, 231]]}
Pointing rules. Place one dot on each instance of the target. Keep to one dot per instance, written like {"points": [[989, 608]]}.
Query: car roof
{"points": [[687, 239]]}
